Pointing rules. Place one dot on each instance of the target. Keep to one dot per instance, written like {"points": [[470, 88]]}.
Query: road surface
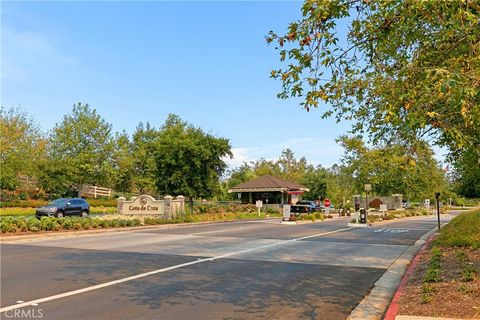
{"points": [[237, 270]]}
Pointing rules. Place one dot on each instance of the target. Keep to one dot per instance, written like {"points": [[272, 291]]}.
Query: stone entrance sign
{"points": [[143, 205], [147, 205]]}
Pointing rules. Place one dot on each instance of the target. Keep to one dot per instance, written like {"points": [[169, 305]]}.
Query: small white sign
{"points": [[427, 201], [327, 210], [286, 211], [383, 207], [259, 203]]}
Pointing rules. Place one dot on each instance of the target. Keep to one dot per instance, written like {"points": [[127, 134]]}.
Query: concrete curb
{"points": [[425, 318], [373, 306], [393, 307]]}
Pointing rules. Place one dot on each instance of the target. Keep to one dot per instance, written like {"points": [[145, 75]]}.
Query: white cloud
{"points": [[241, 155], [317, 151], [25, 51]]}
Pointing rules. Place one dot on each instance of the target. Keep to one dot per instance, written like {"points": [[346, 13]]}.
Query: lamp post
{"points": [[437, 196], [368, 187]]}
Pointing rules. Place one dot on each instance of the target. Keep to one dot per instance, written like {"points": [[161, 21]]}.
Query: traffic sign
{"points": [[326, 203]]}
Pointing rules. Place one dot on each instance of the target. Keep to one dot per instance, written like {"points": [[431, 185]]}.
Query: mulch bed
{"points": [[451, 297]]}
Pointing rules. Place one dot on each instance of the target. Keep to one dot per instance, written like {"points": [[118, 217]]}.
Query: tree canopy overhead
{"points": [[405, 68]]}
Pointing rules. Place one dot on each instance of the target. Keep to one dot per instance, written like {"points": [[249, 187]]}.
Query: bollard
{"points": [[363, 216]]}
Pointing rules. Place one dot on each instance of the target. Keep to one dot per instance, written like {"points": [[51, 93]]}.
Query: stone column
{"points": [[168, 207], [120, 201], [181, 203]]}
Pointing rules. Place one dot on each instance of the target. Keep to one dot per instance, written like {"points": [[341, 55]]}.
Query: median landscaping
{"points": [[446, 280], [23, 225]]}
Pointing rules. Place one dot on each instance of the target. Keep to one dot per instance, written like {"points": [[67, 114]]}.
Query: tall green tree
{"points": [[22, 147], [81, 149], [466, 174], [316, 182], [404, 68], [144, 148], [393, 168], [189, 161], [123, 163], [290, 168]]}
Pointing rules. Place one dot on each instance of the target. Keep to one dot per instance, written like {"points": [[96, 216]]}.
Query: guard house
{"points": [[270, 190]]}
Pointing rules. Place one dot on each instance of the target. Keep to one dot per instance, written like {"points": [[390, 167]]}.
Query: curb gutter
{"points": [[393, 308], [373, 306]]}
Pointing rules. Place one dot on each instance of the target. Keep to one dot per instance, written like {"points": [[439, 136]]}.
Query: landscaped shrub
{"points": [[57, 226], [308, 217], [5, 226], [86, 223], [21, 223], [33, 224], [23, 203], [102, 202], [318, 215], [149, 220], [48, 223], [115, 223], [433, 272], [67, 223], [273, 211]]}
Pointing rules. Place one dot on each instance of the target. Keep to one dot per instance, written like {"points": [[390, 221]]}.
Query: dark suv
{"points": [[64, 207], [304, 206]]}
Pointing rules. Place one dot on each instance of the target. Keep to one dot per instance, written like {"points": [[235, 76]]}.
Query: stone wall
{"points": [[393, 202], [147, 205]]}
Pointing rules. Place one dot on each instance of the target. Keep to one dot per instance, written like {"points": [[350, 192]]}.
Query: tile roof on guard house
{"points": [[269, 189]]}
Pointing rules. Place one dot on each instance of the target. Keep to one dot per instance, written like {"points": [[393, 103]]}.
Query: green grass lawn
{"points": [[462, 231]]}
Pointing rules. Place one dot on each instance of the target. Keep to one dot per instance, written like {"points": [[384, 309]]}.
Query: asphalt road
{"points": [[239, 270]]}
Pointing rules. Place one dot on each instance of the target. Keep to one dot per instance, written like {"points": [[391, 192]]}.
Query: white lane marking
{"points": [[146, 274], [392, 230]]}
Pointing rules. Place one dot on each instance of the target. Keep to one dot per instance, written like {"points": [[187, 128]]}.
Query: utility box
{"points": [[363, 216]]}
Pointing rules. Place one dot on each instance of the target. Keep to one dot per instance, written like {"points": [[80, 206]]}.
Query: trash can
{"points": [[363, 216]]}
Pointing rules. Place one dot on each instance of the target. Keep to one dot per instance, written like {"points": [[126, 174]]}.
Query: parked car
{"points": [[64, 207], [304, 206]]}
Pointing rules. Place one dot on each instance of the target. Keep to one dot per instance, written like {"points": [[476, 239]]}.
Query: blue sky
{"points": [[139, 61]]}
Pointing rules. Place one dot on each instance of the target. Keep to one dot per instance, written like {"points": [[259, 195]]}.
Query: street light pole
{"points": [[368, 187], [437, 196]]}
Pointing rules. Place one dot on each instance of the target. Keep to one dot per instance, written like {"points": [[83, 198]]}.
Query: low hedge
{"points": [[32, 224], [12, 225]]}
